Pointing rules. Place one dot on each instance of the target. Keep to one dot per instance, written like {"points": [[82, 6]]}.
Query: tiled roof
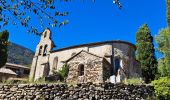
{"points": [[79, 53], [17, 66], [7, 71], [96, 43]]}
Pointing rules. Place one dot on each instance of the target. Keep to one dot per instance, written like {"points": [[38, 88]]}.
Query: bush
{"points": [[63, 72], [162, 88], [134, 81]]}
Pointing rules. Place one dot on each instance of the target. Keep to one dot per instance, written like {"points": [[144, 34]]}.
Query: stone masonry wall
{"points": [[93, 70], [86, 91]]}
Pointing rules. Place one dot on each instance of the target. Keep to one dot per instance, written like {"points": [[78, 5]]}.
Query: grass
{"points": [[134, 81]]}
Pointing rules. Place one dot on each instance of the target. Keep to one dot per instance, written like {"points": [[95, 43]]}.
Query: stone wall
{"points": [[107, 70], [86, 91], [63, 55], [93, 68], [103, 50]]}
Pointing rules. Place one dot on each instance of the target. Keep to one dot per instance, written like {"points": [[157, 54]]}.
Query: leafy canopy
{"points": [[22, 12], [163, 41]]}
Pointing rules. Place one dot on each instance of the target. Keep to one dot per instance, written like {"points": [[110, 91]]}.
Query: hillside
{"points": [[19, 55]]}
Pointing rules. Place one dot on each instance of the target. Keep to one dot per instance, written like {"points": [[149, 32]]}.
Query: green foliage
{"points": [[135, 81], [163, 41], [8, 81], [162, 88], [146, 53], [64, 71], [41, 81], [168, 12], [3, 47], [29, 65], [24, 11]]}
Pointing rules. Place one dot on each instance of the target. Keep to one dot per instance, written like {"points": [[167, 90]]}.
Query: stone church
{"points": [[98, 62]]}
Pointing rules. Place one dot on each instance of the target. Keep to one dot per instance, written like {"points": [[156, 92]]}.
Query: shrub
{"points": [[63, 72], [162, 88]]}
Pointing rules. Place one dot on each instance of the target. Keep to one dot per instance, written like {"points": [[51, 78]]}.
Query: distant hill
{"points": [[19, 55]]}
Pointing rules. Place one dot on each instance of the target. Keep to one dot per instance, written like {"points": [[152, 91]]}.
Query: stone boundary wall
{"points": [[86, 91]]}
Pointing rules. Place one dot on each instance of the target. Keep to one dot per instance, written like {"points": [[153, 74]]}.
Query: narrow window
{"points": [[45, 34], [81, 70], [45, 50], [55, 62], [117, 65], [46, 69], [40, 50]]}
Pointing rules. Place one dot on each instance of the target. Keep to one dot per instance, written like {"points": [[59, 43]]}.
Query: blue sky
{"points": [[100, 21]]}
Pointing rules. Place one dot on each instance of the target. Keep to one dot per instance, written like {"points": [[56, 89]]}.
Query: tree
{"points": [[22, 12], [168, 11], [146, 53], [3, 47], [163, 41]]}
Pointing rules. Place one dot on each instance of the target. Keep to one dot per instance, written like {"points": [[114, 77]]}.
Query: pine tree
{"points": [[146, 53], [3, 47]]}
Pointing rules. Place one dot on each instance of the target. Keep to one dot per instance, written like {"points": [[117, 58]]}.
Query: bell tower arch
{"points": [[41, 58], [45, 45]]}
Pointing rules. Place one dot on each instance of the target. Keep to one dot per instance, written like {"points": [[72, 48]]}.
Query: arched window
{"points": [[45, 50], [40, 50], [117, 64], [81, 70], [45, 34], [55, 62]]}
